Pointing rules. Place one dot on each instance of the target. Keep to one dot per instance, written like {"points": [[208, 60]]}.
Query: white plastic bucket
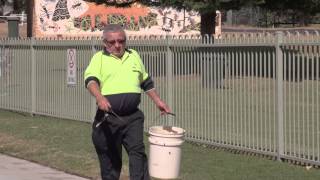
{"points": [[165, 151]]}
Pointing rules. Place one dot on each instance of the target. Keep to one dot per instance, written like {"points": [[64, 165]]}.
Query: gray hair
{"points": [[113, 28]]}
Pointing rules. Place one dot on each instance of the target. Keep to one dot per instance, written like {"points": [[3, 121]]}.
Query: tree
{"points": [[119, 3], [206, 8], [19, 6], [302, 9]]}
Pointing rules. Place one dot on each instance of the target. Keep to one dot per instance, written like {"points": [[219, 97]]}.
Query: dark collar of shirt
{"points": [[105, 52]]}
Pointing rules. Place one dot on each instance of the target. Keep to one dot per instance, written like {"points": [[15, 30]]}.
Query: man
{"points": [[115, 77]]}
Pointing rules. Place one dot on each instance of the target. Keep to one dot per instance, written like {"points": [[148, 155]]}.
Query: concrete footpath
{"points": [[17, 169]]}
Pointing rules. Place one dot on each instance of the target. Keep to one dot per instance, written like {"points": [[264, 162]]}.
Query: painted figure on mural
{"points": [[218, 25], [61, 12]]}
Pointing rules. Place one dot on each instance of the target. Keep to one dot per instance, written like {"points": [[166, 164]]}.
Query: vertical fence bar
{"points": [[169, 77], [279, 103], [33, 77], [93, 101]]}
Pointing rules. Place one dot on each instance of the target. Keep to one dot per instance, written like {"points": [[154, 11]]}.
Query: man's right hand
{"points": [[103, 103]]}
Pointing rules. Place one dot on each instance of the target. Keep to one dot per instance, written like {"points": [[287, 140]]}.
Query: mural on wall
{"points": [[77, 17]]}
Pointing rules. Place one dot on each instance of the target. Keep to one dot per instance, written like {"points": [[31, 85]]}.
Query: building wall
{"points": [[80, 18]]}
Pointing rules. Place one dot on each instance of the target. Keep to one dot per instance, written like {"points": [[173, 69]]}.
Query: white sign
{"points": [[71, 67]]}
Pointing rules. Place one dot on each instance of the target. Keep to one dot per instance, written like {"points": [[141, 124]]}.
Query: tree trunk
{"points": [[30, 9], [207, 25], [16, 7]]}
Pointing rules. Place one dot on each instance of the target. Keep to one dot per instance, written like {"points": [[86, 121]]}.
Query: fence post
{"points": [[279, 101], [33, 77], [169, 70], [93, 104]]}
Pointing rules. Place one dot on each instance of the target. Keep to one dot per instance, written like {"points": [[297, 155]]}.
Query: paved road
{"points": [[18, 169]]}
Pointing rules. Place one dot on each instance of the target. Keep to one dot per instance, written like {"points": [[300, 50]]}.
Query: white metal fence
{"points": [[254, 92]]}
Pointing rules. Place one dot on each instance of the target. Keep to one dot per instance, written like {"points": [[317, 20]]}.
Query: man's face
{"points": [[115, 43]]}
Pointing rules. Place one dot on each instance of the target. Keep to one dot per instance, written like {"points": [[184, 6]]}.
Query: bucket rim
{"points": [[161, 132]]}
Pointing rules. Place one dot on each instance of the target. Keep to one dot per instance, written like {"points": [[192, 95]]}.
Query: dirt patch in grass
{"points": [[18, 147]]}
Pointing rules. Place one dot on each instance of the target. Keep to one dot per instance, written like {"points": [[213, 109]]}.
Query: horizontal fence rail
{"points": [[254, 92]]}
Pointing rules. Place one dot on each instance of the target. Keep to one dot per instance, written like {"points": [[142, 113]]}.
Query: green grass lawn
{"points": [[242, 113], [66, 145]]}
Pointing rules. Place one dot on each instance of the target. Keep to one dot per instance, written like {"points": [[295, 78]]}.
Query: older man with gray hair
{"points": [[116, 77]]}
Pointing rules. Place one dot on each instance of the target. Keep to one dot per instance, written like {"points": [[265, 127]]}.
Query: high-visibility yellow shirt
{"points": [[114, 75]]}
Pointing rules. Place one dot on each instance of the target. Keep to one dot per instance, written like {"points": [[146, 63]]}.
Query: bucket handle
{"points": [[165, 127], [157, 117]]}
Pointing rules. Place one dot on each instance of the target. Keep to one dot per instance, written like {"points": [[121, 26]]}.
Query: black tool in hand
{"points": [[105, 118], [172, 114]]}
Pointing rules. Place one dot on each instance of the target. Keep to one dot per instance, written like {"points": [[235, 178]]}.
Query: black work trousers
{"points": [[108, 139]]}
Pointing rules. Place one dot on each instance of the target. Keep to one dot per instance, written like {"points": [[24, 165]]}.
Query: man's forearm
{"points": [[154, 96], [164, 108], [94, 89], [102, 102]]}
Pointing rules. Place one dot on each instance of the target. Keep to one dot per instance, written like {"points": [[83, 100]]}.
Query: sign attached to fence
{"points": [[71, 67]]}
